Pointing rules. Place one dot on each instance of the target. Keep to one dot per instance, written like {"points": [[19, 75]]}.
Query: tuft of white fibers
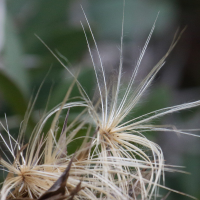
{"points": [[115, 162]]}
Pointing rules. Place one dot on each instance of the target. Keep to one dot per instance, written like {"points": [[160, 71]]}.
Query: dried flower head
{"points": [[139, 161], [115, 162], [37, 167]]}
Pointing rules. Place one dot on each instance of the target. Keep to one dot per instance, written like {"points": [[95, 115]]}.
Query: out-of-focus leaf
{"points": [[43, 16], [140, 14], [12, 94], [2, 21], [157, 99], [87, 80], [191, 182], [13, 57], [70, 43]]}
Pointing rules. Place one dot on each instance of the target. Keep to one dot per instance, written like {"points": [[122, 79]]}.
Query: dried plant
{"points": [[115, 162]]}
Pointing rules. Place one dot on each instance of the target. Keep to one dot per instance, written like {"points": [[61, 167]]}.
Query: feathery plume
{"points": [[139, 161], [115, 162]]}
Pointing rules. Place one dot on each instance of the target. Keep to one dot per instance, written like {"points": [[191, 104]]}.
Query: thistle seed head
{"points": [[115, 162]]}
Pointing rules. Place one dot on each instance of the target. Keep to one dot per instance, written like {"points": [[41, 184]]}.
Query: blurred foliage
{"points": [[109, 21], [26, 60]]}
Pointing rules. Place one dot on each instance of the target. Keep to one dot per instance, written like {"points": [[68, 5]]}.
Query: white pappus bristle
{"points": [[116, 161]]}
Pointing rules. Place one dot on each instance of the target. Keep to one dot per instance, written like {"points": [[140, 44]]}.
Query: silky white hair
{"points": [[116, 161]]}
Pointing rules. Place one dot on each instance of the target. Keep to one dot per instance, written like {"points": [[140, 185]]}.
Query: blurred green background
{"points": [[25, 61]]}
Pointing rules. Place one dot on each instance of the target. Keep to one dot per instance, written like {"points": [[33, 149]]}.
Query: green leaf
{"points": [[12, 94], [61, 89], [139, 17], [13, 57]]}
